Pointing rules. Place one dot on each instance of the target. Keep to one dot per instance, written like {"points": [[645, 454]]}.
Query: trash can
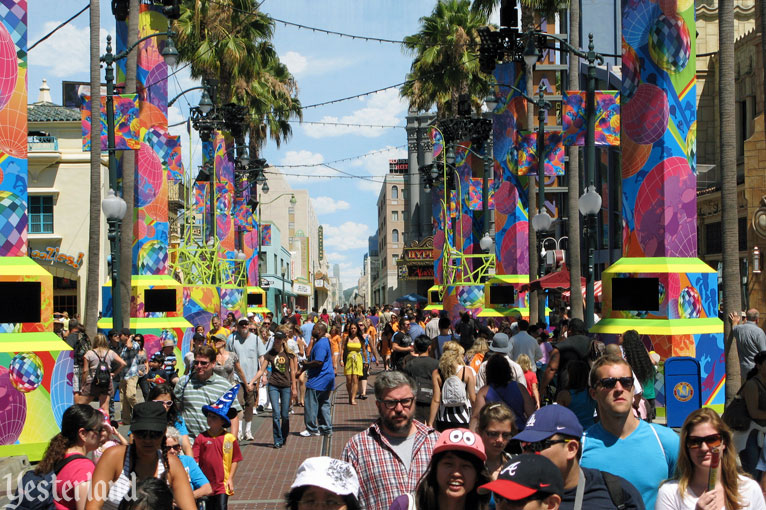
{"points": [[682, 389]]}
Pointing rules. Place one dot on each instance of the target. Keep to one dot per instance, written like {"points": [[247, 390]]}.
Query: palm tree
{"points": [[729, 221], [94, 221], [446, 59]]}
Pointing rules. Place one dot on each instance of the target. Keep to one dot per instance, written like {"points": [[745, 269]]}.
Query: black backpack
{"points": [[103, 375], [35, 492]]}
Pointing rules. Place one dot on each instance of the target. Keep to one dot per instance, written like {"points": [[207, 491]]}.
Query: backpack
{"points": [[453, 391], [614, 487], [425, 383], [35, 492], [103, 375]]}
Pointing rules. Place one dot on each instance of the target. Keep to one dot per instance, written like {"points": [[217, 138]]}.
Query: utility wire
{"points": [[46, 36], [350, 158], [339, 34]]}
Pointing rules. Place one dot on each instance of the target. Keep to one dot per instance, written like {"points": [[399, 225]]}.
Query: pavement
{"points": [[265, 474]]}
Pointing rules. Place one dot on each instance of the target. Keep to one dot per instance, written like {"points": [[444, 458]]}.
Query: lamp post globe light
{"points": [[114, 208], [589, 204]]}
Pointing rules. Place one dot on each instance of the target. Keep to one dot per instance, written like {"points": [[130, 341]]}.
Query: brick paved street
{"points": [[265, 474]]}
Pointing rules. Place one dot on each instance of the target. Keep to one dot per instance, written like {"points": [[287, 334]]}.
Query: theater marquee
{"points": [[417, 261]]}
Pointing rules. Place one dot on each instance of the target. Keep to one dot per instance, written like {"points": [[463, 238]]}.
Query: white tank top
{"points": [[123, 486]]}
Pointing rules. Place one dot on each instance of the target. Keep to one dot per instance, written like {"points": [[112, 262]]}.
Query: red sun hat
{"points": [[463, 440]]}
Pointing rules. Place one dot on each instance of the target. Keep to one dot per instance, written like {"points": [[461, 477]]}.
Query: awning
{"points": [[556, 280], [596, 291]]}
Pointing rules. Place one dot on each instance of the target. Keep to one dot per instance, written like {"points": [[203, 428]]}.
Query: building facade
{"points": [[392, 208], [276, 269], [59, 176]]}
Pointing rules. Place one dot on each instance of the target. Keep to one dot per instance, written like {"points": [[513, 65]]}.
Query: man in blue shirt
{"points": [[642, 453], [306, 330], [319, 385]]}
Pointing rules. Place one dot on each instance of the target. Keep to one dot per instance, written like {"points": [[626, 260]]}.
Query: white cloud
{"points": [[348, 236], [383, 109], [301, 65], [335, 257], [328, 205], [66, 52], [349, 274]]}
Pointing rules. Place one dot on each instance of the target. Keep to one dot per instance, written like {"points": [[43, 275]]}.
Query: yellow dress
{"points": [[353, 362]]}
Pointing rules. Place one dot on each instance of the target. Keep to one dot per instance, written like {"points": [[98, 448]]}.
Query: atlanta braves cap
{"points": [[525, 476]]}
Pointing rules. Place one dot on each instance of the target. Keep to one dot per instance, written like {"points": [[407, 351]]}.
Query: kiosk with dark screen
{"points": [[20, 302], [641, 294], [255, 299], [160, 300], [435, 296], [502, 295]]}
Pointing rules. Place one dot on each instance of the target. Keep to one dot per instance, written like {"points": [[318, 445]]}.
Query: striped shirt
{"points": [[382, 474], [193, 394]]}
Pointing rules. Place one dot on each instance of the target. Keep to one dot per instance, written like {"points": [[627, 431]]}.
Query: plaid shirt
{"points": [[381, 472]]}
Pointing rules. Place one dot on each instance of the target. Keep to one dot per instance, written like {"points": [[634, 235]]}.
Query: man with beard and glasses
{"points": [[393, 453]]}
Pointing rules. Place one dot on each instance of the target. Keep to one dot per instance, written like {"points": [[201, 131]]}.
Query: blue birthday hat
{"points": [[223, 407]]}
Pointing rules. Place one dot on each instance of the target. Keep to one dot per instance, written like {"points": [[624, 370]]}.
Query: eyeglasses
{"points": [[175, 447], [327, 504], [539, 446], [494, 434], [611, 382], [97, 430], [712, 441], [392, 403], [148, 434], [166, 403], [200, 363], [266, 323]]}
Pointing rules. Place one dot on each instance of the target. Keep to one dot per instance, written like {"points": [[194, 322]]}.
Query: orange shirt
{"points": [[335, 344], [476, 361], [372, 332]]}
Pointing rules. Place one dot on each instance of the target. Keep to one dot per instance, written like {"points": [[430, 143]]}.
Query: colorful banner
{"points": [[126, 126], [266, 235], [607, 117], [13, 128], [526, 149]]}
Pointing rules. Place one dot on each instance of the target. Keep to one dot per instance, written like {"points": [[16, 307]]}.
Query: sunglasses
{"points": [[200, 363], [495, 434], [712, 441], [175, 447], [610, 382], [539, 446], [166, 403], [148, 434], [392, 403]]}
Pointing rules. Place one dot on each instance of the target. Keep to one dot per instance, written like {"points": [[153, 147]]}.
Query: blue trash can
{"points": [[682, 389]]}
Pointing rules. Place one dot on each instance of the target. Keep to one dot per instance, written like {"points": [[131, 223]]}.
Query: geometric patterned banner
{"points": [[126, 125], [266, 235], [607, 117]]}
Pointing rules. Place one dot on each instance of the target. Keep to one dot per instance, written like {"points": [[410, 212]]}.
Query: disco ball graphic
{"points": [[645, 116], [149, 176], [669, 43], [13, 409], [471, 296], [26, 371], [689, 303], [231, 298], [152, 258], [631, 71], [13, 223]]}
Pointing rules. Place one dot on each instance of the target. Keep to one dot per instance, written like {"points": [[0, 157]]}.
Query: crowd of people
{"points": [[471, 415]]}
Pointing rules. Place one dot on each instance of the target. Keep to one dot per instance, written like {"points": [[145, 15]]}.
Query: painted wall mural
{"points": [[607, 117], [223, 149]]}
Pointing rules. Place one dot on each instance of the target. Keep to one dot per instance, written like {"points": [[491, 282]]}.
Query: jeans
{"points": [[280, 405], [318, 406]]}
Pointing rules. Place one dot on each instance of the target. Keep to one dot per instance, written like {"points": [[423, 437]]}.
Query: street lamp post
{"points": [[590, 205], [114, 208], [284, 300]]}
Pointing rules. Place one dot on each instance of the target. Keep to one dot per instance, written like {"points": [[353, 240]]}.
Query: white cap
{"points": [[327, 473]]}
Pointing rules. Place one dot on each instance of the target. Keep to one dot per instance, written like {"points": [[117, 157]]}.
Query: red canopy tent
{"points": [[556, 280], [596, 292]]}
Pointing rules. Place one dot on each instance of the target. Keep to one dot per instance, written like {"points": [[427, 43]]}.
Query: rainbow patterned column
{"points": [[674, 299], [35, 364]]}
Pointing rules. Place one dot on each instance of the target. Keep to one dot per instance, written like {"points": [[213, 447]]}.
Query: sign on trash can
{"points": [[682, 389]]}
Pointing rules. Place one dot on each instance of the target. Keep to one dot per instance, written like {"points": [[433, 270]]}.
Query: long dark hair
{"points": [[637, 357], [165, 388], [151, 494], [76, 417], [427, 493]]}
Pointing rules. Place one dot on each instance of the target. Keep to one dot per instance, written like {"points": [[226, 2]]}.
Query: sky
{"points": [[326, 67]]}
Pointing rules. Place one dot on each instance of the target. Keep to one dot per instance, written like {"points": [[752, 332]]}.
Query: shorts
{"points": [[246, 398], [90, 390], [365, 372], [77, 379]]}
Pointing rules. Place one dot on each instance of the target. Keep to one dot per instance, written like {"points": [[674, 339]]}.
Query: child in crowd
{"points": [[530, 376], [110, 436], [155, 375], [217, 451]]}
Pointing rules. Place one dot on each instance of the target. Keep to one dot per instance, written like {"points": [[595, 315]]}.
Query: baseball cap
{"points": [[150, 416], [329, 474], [500, 343], [243, 321], [219, 336], [525, 476], [548, 421], [463, 440], [168, 343]]}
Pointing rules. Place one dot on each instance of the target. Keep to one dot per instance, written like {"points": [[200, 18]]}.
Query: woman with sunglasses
{"points": [[163, 393], [147, 457], [453, 476], [199, 483], [496, 427], [702, 434]]}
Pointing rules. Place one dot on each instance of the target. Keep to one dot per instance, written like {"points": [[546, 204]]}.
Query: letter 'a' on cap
{"points": [[525, 476]]}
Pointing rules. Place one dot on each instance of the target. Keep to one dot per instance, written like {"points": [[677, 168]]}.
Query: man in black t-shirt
{"points": [[576, 346], [419, 365], [554, 432]]}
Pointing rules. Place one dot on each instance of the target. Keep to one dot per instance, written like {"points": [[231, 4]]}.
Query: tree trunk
{"points": [[128, 175], [731, 277], [534, 312], [573, 178], [92, 286], [761, 24]]}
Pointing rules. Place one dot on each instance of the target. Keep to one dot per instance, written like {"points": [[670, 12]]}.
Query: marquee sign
{"points": [[51, 254], [417, 262]]}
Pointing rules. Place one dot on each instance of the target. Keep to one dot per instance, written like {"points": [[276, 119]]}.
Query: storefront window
{"points": [[40, 214]]}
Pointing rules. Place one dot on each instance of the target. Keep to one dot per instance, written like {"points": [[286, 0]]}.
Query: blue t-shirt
{"points": [[416, 330], [306, 330], [321, 378], [196, 477], [638, 458]]}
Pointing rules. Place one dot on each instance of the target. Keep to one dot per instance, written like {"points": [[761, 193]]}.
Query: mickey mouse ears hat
{"points": [[222, 408], [463, 440], [525, 476]]}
